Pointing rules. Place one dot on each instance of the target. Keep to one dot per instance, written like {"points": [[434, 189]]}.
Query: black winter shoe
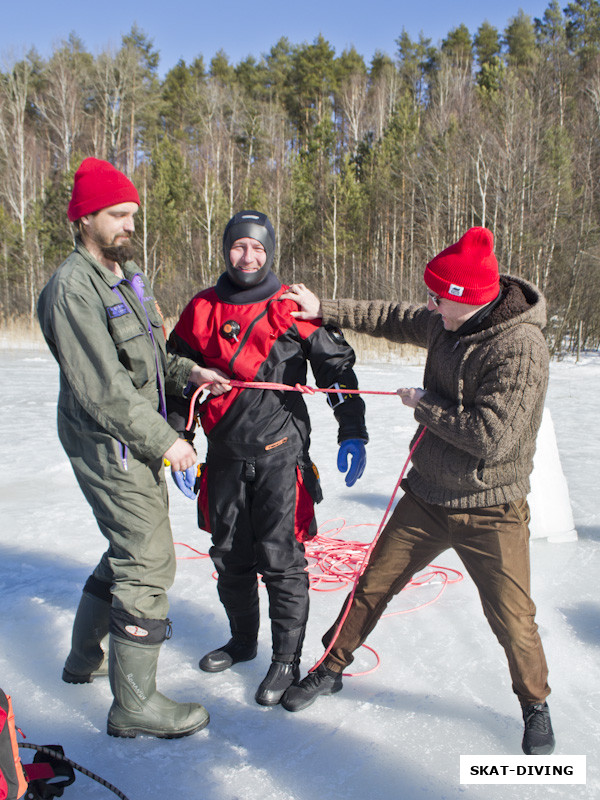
{"points": [[281, 676], [321, 681], [101, 672], [538, 739], [235, 650]]}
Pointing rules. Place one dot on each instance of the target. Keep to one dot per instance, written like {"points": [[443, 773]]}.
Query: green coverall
{"points": [[109, 421]]}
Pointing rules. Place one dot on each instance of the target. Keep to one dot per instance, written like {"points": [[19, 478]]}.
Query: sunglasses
{"points": [[435, 298]]}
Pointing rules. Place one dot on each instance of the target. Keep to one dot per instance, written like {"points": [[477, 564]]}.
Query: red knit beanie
{"points": [[467, 271], [97, 184]]}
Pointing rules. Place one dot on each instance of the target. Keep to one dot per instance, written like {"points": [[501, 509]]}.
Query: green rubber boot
{"points": [[137, 706], [87, 659]]}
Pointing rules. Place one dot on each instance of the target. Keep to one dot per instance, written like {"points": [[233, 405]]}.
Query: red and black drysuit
{"points": [[258, 486]]}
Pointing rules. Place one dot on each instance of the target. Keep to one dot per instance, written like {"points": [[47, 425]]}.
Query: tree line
{"points": [[366, 170]]}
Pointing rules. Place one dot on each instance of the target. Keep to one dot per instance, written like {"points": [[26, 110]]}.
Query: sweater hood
{"points": [[521, 302]]}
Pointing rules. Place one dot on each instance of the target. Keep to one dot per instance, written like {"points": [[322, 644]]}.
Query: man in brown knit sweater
{"points": [[481, 405]]}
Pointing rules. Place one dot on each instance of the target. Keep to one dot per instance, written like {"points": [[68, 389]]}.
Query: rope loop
{"points": [[336, 571]]}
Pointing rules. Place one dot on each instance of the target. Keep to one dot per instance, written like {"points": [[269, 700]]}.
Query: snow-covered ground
{"points": [[442, 689]]}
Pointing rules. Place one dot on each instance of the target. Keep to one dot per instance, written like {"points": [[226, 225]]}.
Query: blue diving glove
{"points": [[356, 449], [185, 481]]}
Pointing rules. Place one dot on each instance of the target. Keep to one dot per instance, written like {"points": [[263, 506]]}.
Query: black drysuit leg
{"points": [[252, 510]]}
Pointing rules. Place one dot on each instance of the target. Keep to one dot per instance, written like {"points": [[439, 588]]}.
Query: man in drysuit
{"points": [[258, 486]]}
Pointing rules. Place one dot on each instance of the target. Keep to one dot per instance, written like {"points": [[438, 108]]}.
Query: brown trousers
{"points": [[493, 545]]}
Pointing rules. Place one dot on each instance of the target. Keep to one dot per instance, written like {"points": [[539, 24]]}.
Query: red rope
{"points": [[198, 555], [281, 387], [368, 554], [326, 552], [333, 565]]}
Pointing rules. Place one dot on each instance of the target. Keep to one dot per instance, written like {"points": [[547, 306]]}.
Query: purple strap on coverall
{"points": [[137, 284]]}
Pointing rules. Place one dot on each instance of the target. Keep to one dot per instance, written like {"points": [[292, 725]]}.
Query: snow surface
{"points": [[442, 689]]}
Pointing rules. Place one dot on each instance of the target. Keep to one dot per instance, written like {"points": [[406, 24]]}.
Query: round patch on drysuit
{"points": [[230, 329], [336, 334]]}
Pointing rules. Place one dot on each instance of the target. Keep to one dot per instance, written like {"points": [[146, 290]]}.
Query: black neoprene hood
{"points": [[254, 225]]}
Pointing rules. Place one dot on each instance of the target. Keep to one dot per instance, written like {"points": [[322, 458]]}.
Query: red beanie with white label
{"points": [[97, 184], [467, 271]]}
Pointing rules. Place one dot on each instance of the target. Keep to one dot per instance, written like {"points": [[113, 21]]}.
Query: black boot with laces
{"points": [[322, 681], [538, 738]]}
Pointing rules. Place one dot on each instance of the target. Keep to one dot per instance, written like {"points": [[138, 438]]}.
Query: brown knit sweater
{"points": [[484, 393]]}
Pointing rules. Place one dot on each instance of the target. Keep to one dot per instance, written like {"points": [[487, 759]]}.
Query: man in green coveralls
{"points": [[103, 326]]}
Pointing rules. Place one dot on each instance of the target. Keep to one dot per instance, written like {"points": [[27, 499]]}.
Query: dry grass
{"points": [[367, 348], [21, 334], [370, 348]]}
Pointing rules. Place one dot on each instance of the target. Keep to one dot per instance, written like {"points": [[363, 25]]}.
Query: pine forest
{"points": [[367, 170]]}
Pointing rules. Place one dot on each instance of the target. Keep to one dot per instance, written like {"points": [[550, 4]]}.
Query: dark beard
{"points": [[119, 253]]}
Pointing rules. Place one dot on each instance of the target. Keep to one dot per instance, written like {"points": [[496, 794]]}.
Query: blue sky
{"points": [[188, 28]]}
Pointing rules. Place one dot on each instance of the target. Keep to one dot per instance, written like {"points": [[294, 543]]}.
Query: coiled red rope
{"points": [[333, 564], [334, 561], [367, 555]]}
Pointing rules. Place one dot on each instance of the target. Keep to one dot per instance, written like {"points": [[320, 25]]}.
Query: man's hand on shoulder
{"points": [[309, 303]]}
